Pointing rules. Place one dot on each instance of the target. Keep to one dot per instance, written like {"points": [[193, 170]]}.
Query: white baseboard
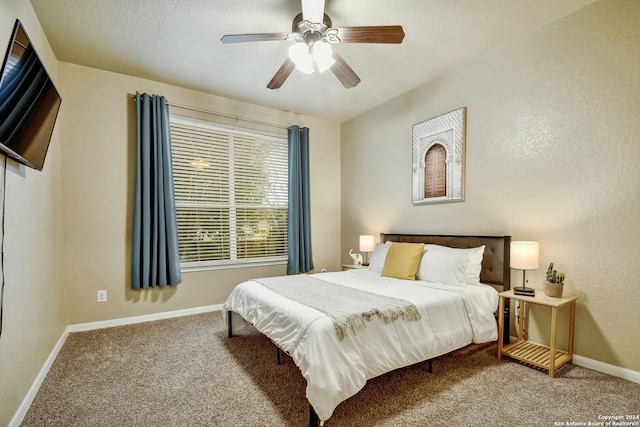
{"points": [[80, 327], [33, 390], [606, 368]]}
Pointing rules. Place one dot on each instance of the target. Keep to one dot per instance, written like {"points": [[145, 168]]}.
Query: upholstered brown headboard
{"points": [[495, 263]]}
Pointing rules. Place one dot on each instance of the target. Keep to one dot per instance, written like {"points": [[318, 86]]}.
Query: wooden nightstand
{"points": [[353, 266], [548, 358]]}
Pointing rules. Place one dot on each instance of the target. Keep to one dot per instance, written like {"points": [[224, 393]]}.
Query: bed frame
{"points": [[495, 271]]}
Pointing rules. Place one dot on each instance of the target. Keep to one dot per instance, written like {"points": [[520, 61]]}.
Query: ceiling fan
{"points": [[313, 36]]}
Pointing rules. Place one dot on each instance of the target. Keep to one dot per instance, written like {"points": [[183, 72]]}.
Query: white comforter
{"points": [[335, 370]]}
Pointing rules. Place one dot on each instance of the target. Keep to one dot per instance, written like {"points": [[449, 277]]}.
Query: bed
{"points": [[451, 304]]}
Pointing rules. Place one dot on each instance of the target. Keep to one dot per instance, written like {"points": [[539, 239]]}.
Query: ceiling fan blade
{"points": [[343, 72], [379, 34], [282, 74], [243, 38], [313, 11]]}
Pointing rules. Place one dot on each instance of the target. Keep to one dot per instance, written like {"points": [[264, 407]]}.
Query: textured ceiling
{"points": [[178, 42]]}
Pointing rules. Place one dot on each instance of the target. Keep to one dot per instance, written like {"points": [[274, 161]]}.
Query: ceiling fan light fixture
{"points": [[322, 55], [318, 57], [300, 55], [313, 35]]}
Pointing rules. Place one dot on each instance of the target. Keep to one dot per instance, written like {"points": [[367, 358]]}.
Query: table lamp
{"points": [[524, 256], [366, 246]]}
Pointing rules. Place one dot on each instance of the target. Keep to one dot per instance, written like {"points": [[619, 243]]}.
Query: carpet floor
{"points": [[186, 372]]}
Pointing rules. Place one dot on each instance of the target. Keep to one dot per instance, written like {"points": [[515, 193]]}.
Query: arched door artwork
{"points": [[435, 172], [437, 167]]}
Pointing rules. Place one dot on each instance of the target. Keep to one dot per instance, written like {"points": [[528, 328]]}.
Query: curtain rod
{"points": [[214, 113]]}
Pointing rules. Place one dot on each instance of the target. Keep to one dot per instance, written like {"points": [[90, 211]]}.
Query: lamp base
{"points": [[530, 292]]}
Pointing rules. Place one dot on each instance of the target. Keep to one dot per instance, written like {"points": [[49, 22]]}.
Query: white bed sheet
{"points": [[452, 317]]}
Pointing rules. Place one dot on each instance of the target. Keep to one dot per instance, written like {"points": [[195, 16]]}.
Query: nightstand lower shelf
{"points": [[535, 354]]}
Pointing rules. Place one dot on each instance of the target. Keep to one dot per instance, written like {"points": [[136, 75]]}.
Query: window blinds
{"points": [[231, 194]]}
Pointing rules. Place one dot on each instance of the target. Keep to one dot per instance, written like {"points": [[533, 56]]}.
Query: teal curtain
{"points": [[156, 261], [299, 227]]}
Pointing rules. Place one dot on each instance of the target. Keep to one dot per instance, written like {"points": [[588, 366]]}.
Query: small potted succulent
{"points": [[554, 284]]}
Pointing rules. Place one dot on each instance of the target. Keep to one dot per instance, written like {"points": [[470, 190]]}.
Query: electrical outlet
{"points": [[323, 270], [102, 296], [517, 308]]}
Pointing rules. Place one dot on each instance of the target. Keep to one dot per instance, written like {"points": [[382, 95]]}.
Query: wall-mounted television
{"points": [[29, 102]]}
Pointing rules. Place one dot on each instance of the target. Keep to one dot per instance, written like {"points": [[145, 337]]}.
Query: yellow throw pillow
{"points": [[402, 260]]}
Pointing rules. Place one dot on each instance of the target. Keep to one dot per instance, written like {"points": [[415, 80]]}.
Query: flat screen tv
{"points": [[29, 102]]}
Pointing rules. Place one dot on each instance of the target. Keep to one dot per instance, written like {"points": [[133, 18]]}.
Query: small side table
{"points": [[353, 266], [548, 358]]}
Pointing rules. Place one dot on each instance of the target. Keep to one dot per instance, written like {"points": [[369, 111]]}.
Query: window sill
{"points": [[224, 265]]}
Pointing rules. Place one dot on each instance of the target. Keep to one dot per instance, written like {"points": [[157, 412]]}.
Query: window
{"points": [[231, 194]]}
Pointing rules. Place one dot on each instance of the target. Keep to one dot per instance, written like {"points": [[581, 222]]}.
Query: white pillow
{"points": [[378, 256], [451, 266], [474, 265]]}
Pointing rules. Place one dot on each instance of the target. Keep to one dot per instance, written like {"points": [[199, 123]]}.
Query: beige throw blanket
{"points": [[347, 307]]}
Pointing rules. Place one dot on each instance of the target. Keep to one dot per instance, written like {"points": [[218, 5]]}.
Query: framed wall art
{"points": [[438, 158]]}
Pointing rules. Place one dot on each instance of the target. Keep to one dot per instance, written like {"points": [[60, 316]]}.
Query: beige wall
{"points": [[553, 155], [98, 156], [34, 314]]}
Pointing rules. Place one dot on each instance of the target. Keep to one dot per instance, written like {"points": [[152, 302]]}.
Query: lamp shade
{"points": [[525, 255], [366, 243], [322, 55], [301, 56]]}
